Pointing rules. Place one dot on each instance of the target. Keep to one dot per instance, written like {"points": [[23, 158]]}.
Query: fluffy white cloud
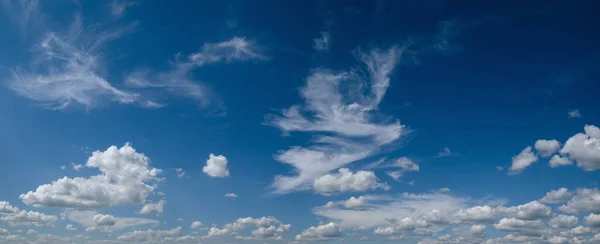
{"points": [[104, 219], [5, 208], [546, 147], [593, 220], [268, 228], [28, 218], [196, 225], [477, 214], [584, 148], [355, 202], [4, 232], [530, 211], [216, 166], [125, 178], [477, 229], [345, 181], [522, 161], [558, 240], [557, 196], [322, 43], [321, 232], [347, 120], [89, 220], [580, 230], [232, 195], [585, 200], [557, 161], [153, 207], [70, 227], [519, 226], [563, 221]]}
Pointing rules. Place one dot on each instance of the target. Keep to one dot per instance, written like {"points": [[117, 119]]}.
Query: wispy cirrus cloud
{"points": [[177, 80], [342, 107]]}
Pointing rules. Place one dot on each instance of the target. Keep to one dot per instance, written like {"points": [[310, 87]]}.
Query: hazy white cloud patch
{"points": [[93, 221], [342, 106], [574, 113], [522, 161], [322, 43]]}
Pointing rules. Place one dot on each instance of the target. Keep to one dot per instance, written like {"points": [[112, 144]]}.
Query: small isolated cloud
{"points": [[404, 164], [584, 148], [355, 202], [180, 172], [216, 166], [70, 227], [232, 195], [76, 167], [522, 161], [93, 221], [104, 219], [118, 7], [574, 113], [196, 225], [445, 153], [323, 43]]}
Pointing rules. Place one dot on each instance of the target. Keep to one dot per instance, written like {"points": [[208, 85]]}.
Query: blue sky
{"points": [[294, 122]]}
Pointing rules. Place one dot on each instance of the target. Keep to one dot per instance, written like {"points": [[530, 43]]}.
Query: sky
{"points": [[299, 121]]}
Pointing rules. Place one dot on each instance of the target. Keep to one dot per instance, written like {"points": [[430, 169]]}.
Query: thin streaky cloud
{"points": [[322, 43]]}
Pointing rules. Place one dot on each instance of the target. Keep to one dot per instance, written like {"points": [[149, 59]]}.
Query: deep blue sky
{"points": [[472, 84]]}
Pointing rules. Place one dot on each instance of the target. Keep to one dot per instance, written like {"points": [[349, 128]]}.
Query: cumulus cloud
{"points": [[580, 230], [593, 220], [355, 202], [562, 221], [546, 147], [322, 43], [150, 235], [216, 166], [557, 161], [533, 210], [321, 232], [342, 106], [574, 113], [70, 227], [28, 218], [584, 149], [527, 227], [196, 225], [232, 195], [522, 161], [477, 214], [125, 178], [585, 200], [345, 181], [153, 207], [104, 219], [267, 228], [477, 230], [93, 221], [557, 196]]}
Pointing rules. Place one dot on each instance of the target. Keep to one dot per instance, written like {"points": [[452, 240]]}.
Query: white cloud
{"points": [[522, 161], [546, 147], [125, 179], [533, 210], [321, 232], [585, 200], [355, 202], [593, 220], [268, 228], [153, 207], [323, 43], [557, 161], [32, 232], [196, 225], [345, 181], [28, 218], [563, 221], [216, 166], [557, 196], [177, 80], [477, 229], [70, 227], [148, 236], [105, 223], [232, 195], [104, 219], [580, 230], [381, 208], [334, 107], [444, 153], [66, 71], [557, 240], [477, 214], [5, 208], [574, 113], [329, 204], [76, 167], [527, 227], [584, 148], [118, 8], [180, 172]]}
